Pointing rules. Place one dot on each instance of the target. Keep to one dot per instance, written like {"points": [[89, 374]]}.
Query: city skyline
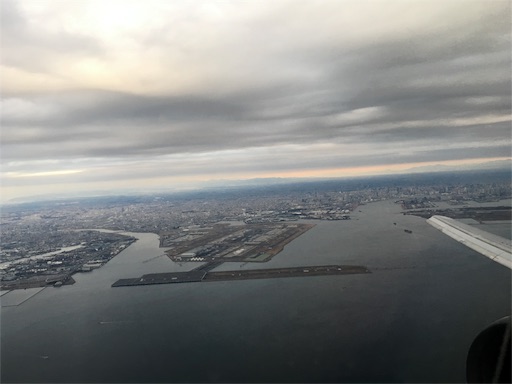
{"points": [[112, 95]]}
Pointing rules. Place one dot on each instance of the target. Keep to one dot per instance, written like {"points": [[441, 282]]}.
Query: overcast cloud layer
{"points": [[115, 94]]}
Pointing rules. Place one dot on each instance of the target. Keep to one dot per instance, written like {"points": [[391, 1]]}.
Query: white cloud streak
{"points": [[127, 89]]}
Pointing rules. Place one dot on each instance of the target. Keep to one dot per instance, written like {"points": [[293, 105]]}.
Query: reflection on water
{"points": [[18, 296], [412, 319]]}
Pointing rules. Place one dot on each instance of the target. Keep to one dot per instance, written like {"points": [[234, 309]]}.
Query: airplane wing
{"points": [[494, 247], [488, 358]]}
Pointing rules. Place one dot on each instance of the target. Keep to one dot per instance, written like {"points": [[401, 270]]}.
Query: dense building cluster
{"points": [[51, 257], [49, 239]]}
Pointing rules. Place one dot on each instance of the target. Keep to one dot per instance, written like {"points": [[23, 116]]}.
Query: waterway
{"points": [[412, 319]]}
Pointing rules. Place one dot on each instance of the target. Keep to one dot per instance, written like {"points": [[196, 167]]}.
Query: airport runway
{"points": [[197, 275]]}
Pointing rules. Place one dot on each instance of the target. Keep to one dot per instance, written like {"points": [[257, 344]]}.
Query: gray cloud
{"points": [[440, 88], [35, 49]]}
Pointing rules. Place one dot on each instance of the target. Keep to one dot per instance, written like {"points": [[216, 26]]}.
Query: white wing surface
{"points": [[494, 247]]}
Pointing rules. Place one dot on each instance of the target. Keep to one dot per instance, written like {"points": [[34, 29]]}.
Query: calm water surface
{"points": [[411, 320]]}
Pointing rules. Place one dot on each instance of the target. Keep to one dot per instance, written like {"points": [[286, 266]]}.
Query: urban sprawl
{"points": [[46, 243]]}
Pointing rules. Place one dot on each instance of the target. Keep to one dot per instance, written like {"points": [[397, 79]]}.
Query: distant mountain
{"points": [[222, 183], [497, 164], [54, 196], [213, 186], [76, 195]]}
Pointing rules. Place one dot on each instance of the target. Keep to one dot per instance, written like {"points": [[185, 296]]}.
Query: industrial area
{"points": [[214, 245], [45, 243], [225, 242]]}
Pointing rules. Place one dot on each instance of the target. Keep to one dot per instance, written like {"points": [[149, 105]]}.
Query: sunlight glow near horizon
{"points": [[172, 94], [198, 181]]}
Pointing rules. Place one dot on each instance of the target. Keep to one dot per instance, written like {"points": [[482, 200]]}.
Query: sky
{"points": [[114, 95]]}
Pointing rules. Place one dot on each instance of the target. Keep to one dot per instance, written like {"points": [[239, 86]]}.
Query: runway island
{"points": [[199, 275], [215, 245]]}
